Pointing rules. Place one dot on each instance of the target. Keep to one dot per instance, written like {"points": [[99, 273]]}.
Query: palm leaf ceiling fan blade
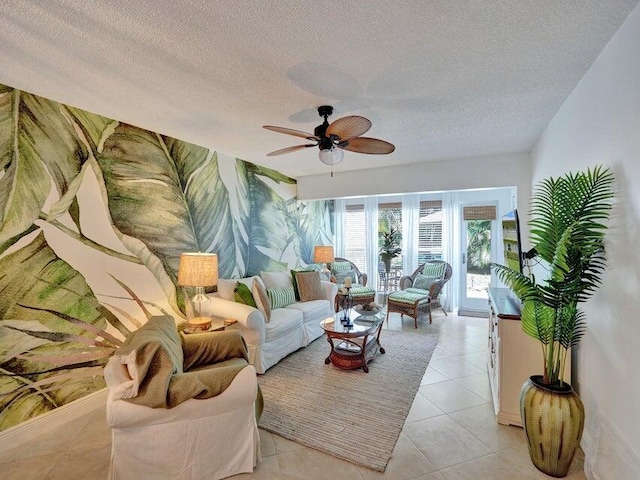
{"points": [[290, 149], [368, 145], [291, 131], [346, 128], [344, 133]]}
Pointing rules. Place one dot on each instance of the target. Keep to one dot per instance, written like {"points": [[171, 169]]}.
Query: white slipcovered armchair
{"points": [[191, 431]]}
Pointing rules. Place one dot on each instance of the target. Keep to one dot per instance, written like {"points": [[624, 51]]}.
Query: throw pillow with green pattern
{"points": [[281, 297], [424, 282], [295, 282], [341, 276], [340, 267], [433, 270], [242, 294]]}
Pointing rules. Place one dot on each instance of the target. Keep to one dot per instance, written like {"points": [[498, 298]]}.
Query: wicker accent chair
{"points": [[365, 296], [415, 301], [362, 277]]}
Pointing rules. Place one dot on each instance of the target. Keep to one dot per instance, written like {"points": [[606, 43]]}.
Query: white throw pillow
{"points": [[274, 280], [226, 288]]}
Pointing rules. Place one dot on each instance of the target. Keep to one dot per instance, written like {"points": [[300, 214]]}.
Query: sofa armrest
{"points": [[363, 279], [330, 291], [250, 320], [242, 391]]}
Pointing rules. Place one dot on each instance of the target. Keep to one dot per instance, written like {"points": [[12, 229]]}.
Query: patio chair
{"points": [[414, 301]]}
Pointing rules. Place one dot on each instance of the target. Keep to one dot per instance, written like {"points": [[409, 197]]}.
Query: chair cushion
{"points": [[309, 286], [424, 282], [281, 297], [410, 296], [434, 270], [358, 291]]}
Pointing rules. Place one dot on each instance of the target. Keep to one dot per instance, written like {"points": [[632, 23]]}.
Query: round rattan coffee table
{"points": [[354, 346]]}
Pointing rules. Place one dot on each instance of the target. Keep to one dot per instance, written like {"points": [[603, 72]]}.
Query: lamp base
{"points": [[199, 323]]}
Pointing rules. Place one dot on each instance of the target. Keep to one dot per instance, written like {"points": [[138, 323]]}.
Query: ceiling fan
{"points": [[332, 138]]}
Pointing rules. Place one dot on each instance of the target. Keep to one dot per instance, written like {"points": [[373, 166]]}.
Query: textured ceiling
{"points": [[439, 79]]}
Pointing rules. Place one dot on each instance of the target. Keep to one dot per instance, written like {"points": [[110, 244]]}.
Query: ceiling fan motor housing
{"points": [[325, 143]]}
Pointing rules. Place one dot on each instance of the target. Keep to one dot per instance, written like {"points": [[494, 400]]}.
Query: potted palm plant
{"points": [[567, 230], [390, 249]]}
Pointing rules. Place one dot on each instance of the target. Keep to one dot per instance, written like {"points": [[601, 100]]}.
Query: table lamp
{"points": [[324, 254], [198, 270]]}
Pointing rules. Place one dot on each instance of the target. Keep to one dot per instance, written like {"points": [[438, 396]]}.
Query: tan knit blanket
{"points": [[172, 368]]}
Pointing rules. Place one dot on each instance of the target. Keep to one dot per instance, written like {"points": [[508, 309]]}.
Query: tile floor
{"points": [[450, 433]]}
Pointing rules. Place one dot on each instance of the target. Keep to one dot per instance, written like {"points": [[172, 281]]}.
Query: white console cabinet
{"points": [[512, 355]]}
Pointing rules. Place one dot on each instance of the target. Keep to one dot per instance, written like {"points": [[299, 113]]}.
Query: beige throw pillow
{"points": [[309, 286], [262, 300], [273, 280]]}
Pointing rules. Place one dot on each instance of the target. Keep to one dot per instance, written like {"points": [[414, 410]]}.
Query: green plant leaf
{"points": [[241, 217], [145, 173], [538, 321], [49, 312], [96, 128], [307, 225], [269, 233], [568, 224], [38, 145], [34, 278]]}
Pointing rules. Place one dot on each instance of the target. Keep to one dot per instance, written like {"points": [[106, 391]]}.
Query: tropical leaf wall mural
{"points": [[94, 214]]}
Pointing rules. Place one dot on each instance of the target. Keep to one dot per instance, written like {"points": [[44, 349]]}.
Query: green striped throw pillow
{"points": [[340, 267], [433, 270], [281, 297]]}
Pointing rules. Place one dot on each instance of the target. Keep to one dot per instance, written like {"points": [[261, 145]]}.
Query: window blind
{"points": [[430, 231], [479, 212]]}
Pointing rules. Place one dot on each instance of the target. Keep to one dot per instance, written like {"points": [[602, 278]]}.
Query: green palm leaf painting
{"points": [[94, 215], [49, 328], [38, 147]]}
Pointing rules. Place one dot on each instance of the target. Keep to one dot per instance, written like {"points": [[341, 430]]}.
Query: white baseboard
{"points": [[473, 313], [35, 427], [607, 454]]}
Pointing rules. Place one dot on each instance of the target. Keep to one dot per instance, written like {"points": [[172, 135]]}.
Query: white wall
{"points": [[600, 124], [460, 174]]}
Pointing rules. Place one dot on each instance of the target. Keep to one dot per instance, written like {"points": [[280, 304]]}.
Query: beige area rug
{"points": [[349, 414]]}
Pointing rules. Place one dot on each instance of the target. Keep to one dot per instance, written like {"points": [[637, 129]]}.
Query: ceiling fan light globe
{"points": [[331, 156]]}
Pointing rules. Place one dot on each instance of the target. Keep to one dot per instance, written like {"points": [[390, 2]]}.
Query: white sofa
{"points": [[289, 329]]}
